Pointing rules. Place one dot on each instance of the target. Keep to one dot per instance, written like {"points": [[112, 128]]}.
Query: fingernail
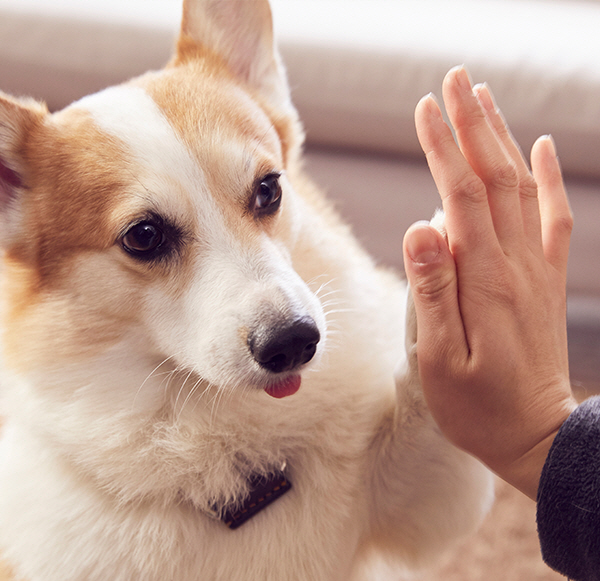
{"points": [[422, 244], [462, 77], [485, 98], [432, 106], [551, 143], [430, 97]]}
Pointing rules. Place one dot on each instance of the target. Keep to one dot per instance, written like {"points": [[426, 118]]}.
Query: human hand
{"points": [[491, 301]]}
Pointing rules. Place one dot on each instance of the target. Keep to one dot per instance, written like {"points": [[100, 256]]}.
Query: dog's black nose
{"points": [[285, 347]]}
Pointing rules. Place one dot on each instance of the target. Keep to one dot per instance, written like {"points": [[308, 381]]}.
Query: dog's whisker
{"points": [[216, 402], [272, 127], [329, 304], [180, 391], [169, 379], [190, 394], [330, 294], [202, 394], [151, 374], [316, 278], [336, 311], [333, 329], [324, 286], [320, 294]]}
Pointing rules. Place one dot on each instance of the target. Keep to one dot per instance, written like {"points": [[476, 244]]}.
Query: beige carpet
{"points": [[505, 548]]}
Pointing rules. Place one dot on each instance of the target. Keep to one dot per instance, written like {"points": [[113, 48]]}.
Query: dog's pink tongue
{"points": [[288, 386]]}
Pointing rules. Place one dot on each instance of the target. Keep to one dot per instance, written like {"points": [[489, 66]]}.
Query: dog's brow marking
{"points": [[131, 115]]}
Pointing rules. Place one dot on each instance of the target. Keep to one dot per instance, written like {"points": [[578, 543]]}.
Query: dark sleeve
{"points": [[568, 502]]}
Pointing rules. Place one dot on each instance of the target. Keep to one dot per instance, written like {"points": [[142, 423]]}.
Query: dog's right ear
{"points": [[17, 121], [240, 33]]}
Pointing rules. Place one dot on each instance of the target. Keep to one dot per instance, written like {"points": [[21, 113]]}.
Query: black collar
{"points": [[263, 490]]}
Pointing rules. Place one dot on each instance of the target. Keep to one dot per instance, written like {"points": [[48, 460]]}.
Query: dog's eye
{"points": [[143, 239], [268, 195]]}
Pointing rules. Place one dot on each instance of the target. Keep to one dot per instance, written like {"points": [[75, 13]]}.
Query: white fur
{"points": [[109, 461]]}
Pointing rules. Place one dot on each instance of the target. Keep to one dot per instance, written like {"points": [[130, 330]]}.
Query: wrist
{"points": [[525, 472]]}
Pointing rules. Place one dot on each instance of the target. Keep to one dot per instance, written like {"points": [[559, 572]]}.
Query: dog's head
{"points": [[154, 227]]}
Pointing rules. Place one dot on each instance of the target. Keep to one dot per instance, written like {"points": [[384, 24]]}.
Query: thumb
{"points": [[431, 273]]}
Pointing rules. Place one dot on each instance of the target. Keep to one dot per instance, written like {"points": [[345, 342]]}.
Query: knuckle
{"points": [[499, 125], [563, 225], [434, 289], [443, 144], [469, 188], [528, 188], [470, 121], [504, 176]]}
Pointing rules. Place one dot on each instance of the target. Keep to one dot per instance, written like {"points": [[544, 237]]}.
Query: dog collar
{"points": [[263, 490]]}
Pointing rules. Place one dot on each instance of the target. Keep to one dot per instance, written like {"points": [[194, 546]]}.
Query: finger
{"points": [[556, 215], [487, 156], [527, 186], [468, 219], [431, 272]]}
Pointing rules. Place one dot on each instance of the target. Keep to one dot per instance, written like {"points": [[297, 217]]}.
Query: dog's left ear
{"points": [[240, 32], [18, 120]]}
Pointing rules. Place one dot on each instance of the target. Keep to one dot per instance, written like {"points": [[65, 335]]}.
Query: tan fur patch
{"points": [[76, 179], [77, 173]]}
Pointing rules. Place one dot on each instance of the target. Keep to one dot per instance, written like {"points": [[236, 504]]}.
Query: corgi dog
{"points": [[203, 375]]}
